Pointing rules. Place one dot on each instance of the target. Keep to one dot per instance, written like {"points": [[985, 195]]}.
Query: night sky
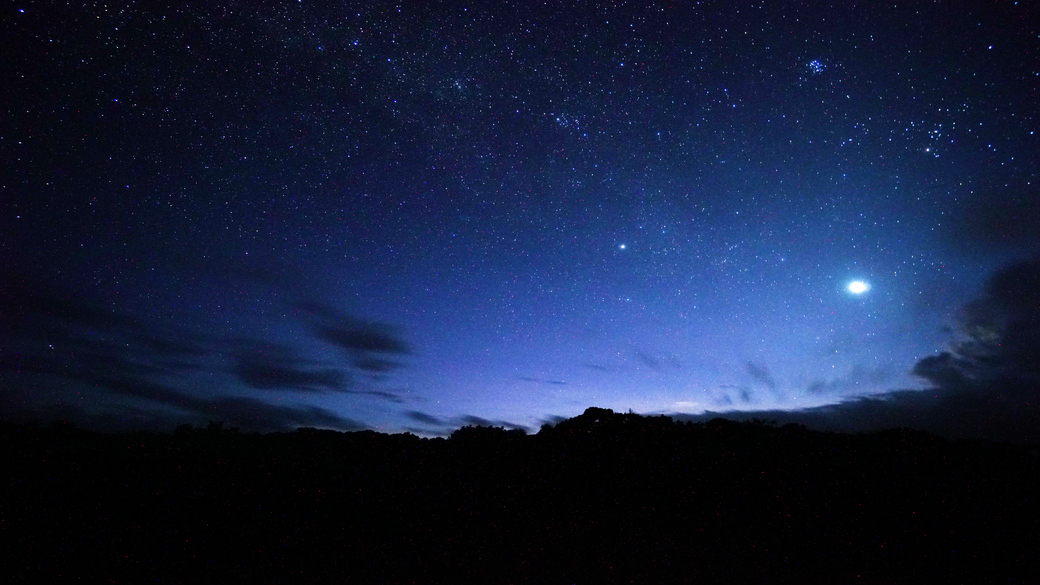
{"points": [[417, 216]]}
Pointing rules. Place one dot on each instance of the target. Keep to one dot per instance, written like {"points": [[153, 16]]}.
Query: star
{"points": [[858, 287]]}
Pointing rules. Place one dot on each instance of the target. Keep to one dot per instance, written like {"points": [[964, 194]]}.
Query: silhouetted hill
{"points": [[602, 497]]}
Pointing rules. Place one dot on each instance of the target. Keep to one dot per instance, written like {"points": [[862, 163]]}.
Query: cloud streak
{"points": [[105, 368], [761, 374], [351, 334], [266, 367], [987, 384], [440, 426]]}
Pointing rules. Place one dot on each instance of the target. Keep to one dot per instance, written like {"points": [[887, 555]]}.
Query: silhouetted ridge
{"points": [[601, 497]]}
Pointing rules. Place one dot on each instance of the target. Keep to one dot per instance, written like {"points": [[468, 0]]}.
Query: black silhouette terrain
{"points": [[603, 497]]}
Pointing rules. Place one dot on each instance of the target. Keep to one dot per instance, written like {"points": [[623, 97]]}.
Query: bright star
{"points": [[622, 246], [858, 287]]}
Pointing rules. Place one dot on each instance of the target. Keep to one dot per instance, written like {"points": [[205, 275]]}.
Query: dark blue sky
{"points": [[413, 216]]}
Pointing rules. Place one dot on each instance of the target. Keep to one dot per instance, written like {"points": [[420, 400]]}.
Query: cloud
{"points": [[369, 344], [986, 385], [999, 334], [109, 370], [943, 371], [250, 413], [649, 361], [541, 380], [1007, 413], [268, 366], [425, 419], [284, 375], [761, 374], [374, 365], [388, 396], [481, 422], [363, 337], [240, 411], [167, 346], [552, 420], [445, 426], [28, 306], [351, 333], [158, 407], [658, 363], [743, 394], [859, 380]]}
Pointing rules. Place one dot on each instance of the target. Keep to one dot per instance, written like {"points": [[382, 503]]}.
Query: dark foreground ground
{"points": [[603, 497]]}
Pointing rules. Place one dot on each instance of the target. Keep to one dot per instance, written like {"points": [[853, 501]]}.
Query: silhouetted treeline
{"points": [[602, 497]]}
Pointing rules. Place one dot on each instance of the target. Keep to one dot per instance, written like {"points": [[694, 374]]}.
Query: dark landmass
{"points": [[602, 497]]}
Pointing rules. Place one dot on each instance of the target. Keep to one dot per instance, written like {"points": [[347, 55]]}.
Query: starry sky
{"points": [[411, 216]]}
